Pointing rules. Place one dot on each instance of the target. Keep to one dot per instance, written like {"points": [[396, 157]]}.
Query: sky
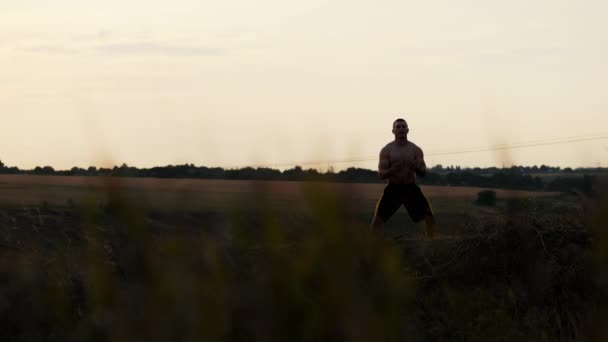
{"points": [[279, 83]]}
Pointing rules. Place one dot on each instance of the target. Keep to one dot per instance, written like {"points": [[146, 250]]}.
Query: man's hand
{"points": [[396, 166], [391, 170], [419, 166]]}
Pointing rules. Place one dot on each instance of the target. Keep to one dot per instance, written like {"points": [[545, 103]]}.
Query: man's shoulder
{"points": [[387, 147], [416, 147]]}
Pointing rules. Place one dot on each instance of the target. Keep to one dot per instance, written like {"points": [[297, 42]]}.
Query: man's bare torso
{"points": [[408, 157]]}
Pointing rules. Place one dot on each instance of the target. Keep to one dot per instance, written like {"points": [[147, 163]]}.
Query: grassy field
{"points": [[84, 258], [452, 205], [28, 190], [218, 195]]}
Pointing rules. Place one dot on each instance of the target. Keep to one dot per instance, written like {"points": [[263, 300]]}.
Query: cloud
{"points": [[56, 49], [526, 54], [131, 48], [148, 48], [100, 35]]}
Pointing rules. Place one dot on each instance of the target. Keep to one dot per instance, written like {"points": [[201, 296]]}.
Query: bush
{"points": [[486, 197]]}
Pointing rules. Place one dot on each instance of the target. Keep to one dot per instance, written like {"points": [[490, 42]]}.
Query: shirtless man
{"points": [[400, 161]]}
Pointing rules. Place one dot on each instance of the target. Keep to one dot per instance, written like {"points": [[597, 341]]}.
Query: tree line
{"points": [[515, 177]]}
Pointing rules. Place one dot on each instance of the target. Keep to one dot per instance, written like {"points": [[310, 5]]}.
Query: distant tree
{"points": [[12, 170], [353, 174], [294, 174], [104, 172], [77, 171], [48, 170], [584, 184], [538, 183], [512, 177], [432, 178], [127, 171]]}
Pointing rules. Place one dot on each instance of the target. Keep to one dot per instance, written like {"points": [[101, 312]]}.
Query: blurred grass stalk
{"points": [[263, 274], [255, 279], [596, 206]]}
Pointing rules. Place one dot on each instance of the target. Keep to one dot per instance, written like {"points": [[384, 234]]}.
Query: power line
{"points": [[522, 145]]}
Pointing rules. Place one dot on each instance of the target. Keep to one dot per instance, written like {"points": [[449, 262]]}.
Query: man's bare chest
{"points": [[404, 154]]}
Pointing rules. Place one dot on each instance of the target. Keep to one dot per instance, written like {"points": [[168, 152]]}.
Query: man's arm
{"points": [[385, 169], [420, 165]]}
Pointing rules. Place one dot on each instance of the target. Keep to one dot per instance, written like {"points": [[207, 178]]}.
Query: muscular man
{"points": [[400, 161]]}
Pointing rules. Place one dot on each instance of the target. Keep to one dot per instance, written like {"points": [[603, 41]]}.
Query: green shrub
{"points": [[486, 197]]}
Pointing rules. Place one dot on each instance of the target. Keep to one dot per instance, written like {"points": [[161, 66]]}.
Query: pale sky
{"points": [[237, 83]]}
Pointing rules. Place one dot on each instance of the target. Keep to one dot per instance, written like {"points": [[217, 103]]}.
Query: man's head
{"points": [[400, 129]]}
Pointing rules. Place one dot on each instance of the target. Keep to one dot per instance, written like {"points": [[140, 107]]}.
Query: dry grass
{"points": [[124, 269], [196, 193]]}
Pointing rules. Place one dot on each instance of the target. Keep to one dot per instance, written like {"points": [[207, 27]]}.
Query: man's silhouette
{"points": [[400, 161]]}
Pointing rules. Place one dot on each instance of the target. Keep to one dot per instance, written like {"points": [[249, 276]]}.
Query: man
{"points": [[400, 161]]}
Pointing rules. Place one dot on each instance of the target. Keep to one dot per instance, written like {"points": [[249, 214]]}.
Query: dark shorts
{"points": [[409, 195]]}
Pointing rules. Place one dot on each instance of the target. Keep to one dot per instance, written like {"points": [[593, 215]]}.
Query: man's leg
{"points": [[429, 220], [419, 209], [387, 205], [377, 226]]}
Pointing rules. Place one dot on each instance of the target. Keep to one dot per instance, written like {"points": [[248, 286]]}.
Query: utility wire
{"points": [[544, 142], [522, 145]]}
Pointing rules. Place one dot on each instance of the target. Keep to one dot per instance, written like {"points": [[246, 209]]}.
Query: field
{"points": [[26, 189], [218, 197], [86, 258]]}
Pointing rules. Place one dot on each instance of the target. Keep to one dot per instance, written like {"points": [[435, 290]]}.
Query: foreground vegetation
{"points": [[255, 270]]}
